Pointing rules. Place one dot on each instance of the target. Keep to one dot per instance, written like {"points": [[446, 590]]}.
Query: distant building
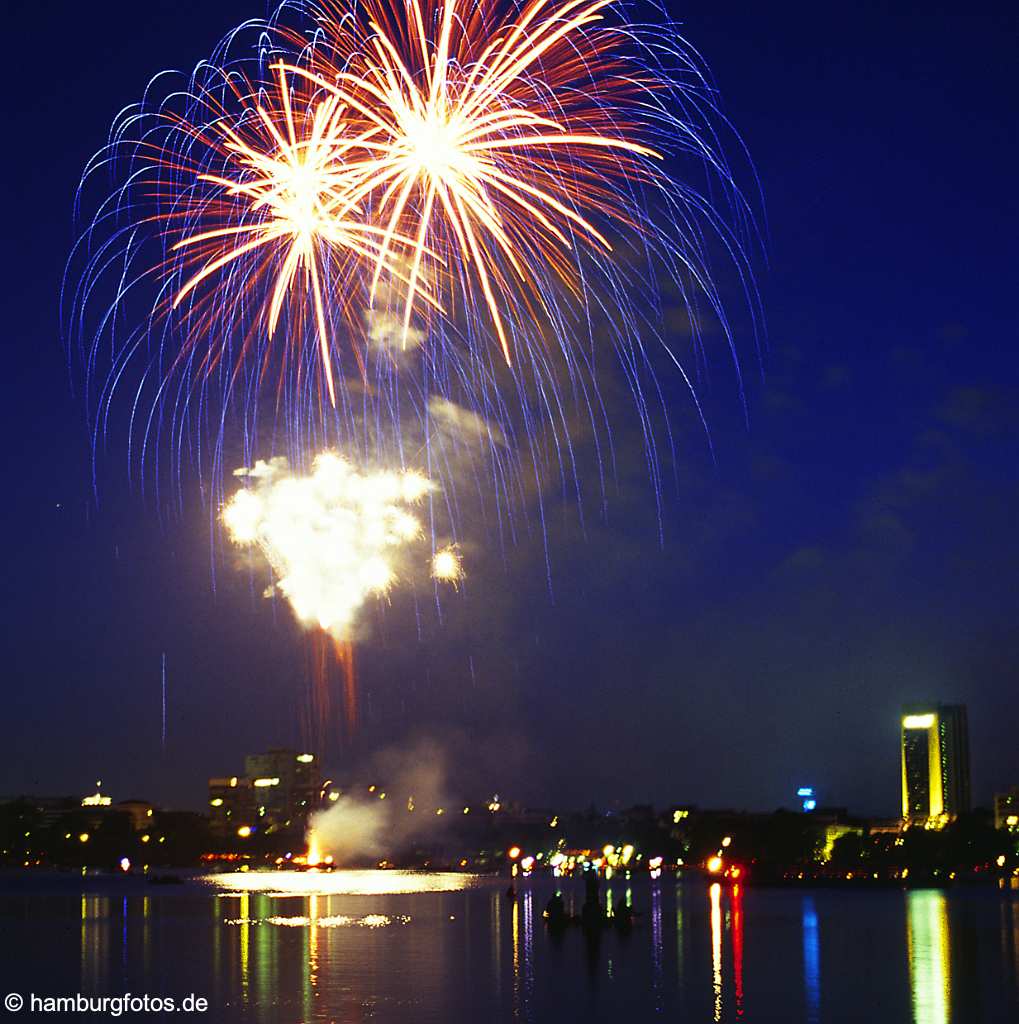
{"points": [[230, 805], [935, 764], [52, 809], [140, 812], [96, 799], [884, 826], [278, 791], [1006, 810]]}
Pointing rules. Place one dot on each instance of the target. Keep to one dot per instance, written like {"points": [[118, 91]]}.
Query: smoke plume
{"points": [[406, 804]]}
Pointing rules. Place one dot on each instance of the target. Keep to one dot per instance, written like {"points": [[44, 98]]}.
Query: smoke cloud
{"points": [[407, 805], [386, 318], [468, 425]]}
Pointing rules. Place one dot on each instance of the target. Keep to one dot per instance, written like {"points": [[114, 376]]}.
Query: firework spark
{"points": [[330, 537], [284, 204], [447, 565], [489, 134]]}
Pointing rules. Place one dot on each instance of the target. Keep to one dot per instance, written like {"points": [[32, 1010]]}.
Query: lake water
{"points": [[350, 947]]}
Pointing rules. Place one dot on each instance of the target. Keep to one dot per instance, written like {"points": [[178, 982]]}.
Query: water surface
{"points": [[409, 949]]}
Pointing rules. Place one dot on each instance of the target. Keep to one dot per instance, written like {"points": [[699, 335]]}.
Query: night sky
{"points": [[853, 548]]}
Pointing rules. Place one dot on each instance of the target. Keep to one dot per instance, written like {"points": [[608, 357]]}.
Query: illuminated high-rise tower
{"points": [[935, 763]]}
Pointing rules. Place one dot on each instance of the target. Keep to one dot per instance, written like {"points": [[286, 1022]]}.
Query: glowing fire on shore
{"points": [[315, 856]]}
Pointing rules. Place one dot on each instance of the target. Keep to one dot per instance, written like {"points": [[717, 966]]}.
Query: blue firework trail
{"points": [[209, 343]]}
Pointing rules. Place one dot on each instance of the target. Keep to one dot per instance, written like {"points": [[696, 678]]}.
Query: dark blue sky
{"points": [[853, 549]]}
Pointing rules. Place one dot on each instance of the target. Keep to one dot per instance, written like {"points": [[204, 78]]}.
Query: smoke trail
{"points": [[406, 804]]}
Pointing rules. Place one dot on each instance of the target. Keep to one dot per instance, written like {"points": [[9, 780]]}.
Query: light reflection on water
{"points": [[339, 883], [696, 953], [332, 921], [928, 951], [245, 943], [1010, 943], [657, 966], [715, 894], [737, 946], [95, 938], [811, 960]]}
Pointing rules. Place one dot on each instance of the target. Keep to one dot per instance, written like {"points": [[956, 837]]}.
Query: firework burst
{"points": [[510, 183], [331, 536], [447, 565], [489, 133], [269, 220], [494, 169], [279, 206]]}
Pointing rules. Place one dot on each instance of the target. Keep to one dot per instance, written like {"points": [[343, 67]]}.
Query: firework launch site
{"points": [[297, 820]]}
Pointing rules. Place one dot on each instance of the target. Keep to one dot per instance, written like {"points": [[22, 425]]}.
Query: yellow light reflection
{"points": [[311, 956], [95, 942], [715, 892], [679, 935], [497, 942], [527, 959], [265, 953], [516, 958], [84, 918], [313, 940], [929, 964], [341, 883], [244, 913], [147, 932]]}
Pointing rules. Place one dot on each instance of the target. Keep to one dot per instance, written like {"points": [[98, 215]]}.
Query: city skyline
{"points": [[281, 783]]}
